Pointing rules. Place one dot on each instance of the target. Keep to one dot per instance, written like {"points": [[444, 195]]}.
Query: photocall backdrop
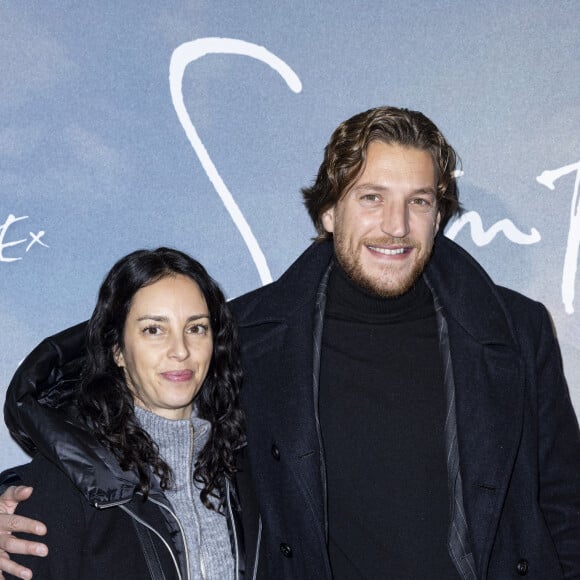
{"points": [[194, 124]]}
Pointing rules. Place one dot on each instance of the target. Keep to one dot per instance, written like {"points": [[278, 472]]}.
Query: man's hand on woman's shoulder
{"points": [[9, 523]]}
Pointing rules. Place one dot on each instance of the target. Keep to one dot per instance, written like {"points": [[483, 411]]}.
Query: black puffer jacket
{"points": [[98, 524]]}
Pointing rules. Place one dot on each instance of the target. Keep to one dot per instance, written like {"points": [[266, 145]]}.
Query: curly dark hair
{"points": [[345, 156], [106, 403]]}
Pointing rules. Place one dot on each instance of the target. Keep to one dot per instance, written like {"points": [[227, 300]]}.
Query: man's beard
{"points": [[384, 284]]}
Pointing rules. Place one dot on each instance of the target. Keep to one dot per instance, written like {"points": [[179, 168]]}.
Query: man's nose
{"points": [[395, 219]]}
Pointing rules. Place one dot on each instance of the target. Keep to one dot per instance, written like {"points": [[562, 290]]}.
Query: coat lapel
{"points": [[489, 394], [487, 382], [279, 363]]}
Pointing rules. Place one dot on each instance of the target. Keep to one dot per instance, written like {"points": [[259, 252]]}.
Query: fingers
{"points": [[18, 492], [9, 522], [12, 523], [13, 545], [12, 496], [10, 567]]}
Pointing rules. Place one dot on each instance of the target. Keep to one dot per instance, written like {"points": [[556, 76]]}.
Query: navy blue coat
{"points": [[515, 446]]}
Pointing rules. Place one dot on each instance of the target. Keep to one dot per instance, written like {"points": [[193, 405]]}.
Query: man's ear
{"points": [[118, 357], [437, 222], [328, 220]]}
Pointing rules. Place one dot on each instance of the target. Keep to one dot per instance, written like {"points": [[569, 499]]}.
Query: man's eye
{"points": [[370, 197], [421, 203]]}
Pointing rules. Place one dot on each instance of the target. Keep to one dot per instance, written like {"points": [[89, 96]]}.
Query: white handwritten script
{"points": [[483, 237], [182, 56], [188, 52], [548, 178], [35, 238]]}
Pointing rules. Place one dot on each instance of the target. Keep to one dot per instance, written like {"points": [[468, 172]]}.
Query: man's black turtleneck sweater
{"points": [[382, 413]]}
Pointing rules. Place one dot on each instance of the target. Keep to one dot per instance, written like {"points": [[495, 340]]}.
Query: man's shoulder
{"points": [[528, 315], [43, 475], [297, 285], [483, 307], [516, 303], [518, 300]]}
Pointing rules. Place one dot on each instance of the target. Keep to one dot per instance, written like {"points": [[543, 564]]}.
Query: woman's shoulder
{"points": [[40, 469], [52, 489]]}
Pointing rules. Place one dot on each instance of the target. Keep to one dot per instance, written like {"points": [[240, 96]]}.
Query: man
{"points": [[407, 418]]}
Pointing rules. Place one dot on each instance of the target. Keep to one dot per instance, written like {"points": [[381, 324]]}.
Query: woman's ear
{"points": [[118, 357]]}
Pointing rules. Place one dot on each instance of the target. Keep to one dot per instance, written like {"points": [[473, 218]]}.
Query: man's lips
{"points": [[178, 376]]}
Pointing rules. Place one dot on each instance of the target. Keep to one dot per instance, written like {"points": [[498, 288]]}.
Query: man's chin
{"points": [[393, 290], [386, 288]]}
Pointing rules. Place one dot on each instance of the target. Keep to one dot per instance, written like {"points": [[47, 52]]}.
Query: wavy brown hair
{"points": [[345, 156], [106, 404]]}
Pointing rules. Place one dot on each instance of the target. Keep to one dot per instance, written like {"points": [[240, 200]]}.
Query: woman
{"points": [[132, 469]]}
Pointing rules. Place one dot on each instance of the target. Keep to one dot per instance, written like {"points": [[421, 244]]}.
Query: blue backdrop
{"points": [[195, 123]]}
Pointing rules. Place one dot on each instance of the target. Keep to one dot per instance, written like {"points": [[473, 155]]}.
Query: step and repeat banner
{"points": [[194, 124]]}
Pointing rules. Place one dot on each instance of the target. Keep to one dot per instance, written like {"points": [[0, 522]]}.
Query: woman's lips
{"points": [[178, 376]]}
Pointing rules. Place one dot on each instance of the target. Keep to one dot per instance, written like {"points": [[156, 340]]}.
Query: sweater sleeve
{"points": [[56, 502]]}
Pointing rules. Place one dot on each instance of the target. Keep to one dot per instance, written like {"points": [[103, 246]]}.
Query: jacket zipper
{"points": [[152, 529], [192, 490], [234, 533], [258, 545]]}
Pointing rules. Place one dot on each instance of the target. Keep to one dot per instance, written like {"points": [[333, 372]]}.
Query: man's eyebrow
{"points": [[371, 187]]}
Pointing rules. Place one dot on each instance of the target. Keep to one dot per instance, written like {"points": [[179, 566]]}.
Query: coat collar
{"points": [[294, 290], [463, 288], [468, 295]]}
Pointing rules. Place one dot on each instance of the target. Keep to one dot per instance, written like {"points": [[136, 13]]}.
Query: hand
{"points": [[12, 523]]}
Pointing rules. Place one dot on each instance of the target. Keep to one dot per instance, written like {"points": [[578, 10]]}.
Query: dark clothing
{"points": [[511, 436], [91, 506], [382, 416], [86, 542]]}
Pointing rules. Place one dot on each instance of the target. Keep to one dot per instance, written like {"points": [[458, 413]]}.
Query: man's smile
{"points": [[389, 251]]}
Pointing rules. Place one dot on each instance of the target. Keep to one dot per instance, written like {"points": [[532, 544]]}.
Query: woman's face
{"points": [[168, 346]]}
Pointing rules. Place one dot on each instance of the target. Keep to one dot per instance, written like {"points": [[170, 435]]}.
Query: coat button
{"points": [[275, 452], [522, 567], [286, 550]]}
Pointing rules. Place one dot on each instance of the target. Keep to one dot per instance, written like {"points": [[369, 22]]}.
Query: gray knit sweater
{"points": [[206, 532]]}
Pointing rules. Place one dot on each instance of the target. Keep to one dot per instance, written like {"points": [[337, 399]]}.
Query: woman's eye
{"points": [[370, 197], [199, 329], [151, 330]]}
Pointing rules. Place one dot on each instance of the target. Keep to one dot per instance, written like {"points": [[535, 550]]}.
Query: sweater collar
{"points": [[348, 301], [172, 435]]}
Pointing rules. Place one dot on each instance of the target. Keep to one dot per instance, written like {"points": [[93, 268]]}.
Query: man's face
{"points": [[385, 224]]}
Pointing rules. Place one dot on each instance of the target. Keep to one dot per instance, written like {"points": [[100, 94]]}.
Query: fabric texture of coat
{"points": [[110, 542], [512, 437]]}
